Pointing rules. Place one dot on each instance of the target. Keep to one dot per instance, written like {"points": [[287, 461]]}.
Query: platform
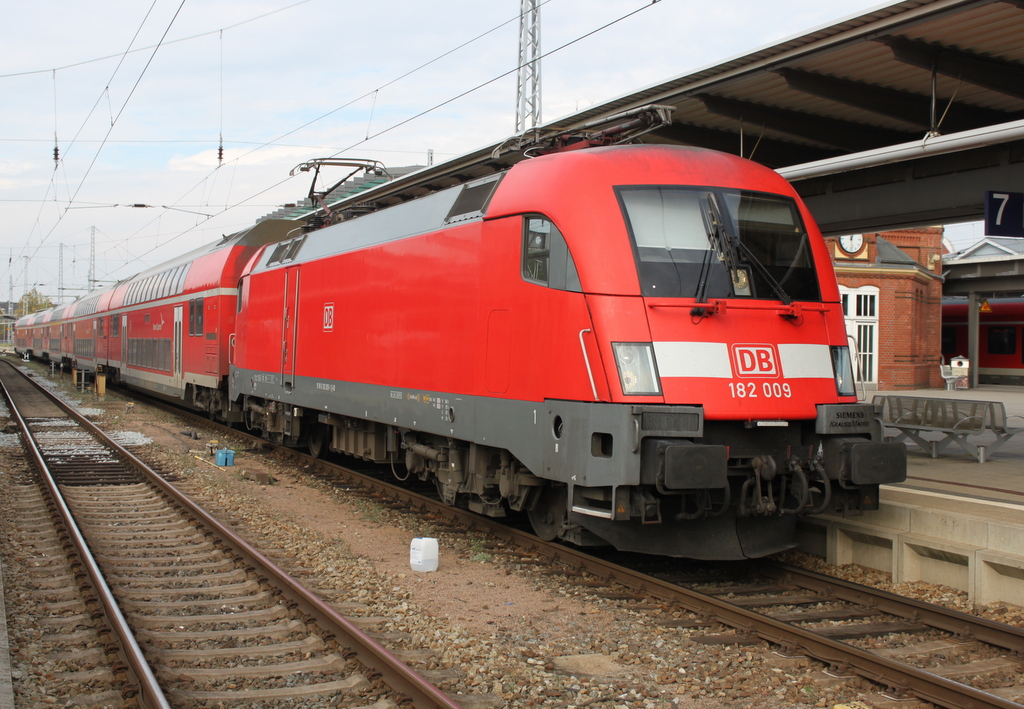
{"points": [[954, 521], [6, 682]]}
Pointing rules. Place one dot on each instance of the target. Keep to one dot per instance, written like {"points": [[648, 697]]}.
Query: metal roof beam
{"points": [[767, 151], [902, 105], [839, 134], [993, 74]]}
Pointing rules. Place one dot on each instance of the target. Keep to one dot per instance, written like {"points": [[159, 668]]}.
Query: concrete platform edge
{"points": [[6, 683], [971, 545]]}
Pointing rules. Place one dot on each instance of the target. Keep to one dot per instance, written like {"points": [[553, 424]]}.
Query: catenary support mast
{"points": [[528, 84]]}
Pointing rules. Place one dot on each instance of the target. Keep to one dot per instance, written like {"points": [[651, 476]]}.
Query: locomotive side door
{"points": [[176, 337], [289, 327]]}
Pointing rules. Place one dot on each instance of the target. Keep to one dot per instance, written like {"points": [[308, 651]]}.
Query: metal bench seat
{"points": [[955, 419]]}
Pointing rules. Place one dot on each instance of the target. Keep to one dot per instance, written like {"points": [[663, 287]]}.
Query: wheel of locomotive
{"points": [[250, 425], [550, 513], [318, 440]]}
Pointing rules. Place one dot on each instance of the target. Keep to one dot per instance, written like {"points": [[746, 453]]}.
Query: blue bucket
{"points": [[225, 457]]}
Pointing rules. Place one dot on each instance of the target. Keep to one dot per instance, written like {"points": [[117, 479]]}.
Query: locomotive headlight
{"points": [[842, 367], [637, 371]]}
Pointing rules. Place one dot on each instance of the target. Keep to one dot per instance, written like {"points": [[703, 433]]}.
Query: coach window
{"points": [[199, 316], [99, 327], [165, 278], [1002, 340], [179, 278], [546, 257]]}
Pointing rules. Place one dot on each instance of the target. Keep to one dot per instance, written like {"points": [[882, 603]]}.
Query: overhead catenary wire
{"points": [[432, 108], [106, 93], [114, 120], [229, 206], [53, 183], [445, 102], [84, 62], [499, 77], [56, 145], [276, 140]]}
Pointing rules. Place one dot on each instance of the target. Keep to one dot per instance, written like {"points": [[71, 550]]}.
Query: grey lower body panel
{"points": [[527, 429]]}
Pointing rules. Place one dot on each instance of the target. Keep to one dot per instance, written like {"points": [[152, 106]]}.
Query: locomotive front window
{"points": [[677, 251]]}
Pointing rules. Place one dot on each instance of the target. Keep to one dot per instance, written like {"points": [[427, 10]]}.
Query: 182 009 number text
{"points": [[751, 390]]}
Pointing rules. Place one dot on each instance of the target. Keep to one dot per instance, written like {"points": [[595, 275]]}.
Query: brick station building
{"points": [[891, 287]]}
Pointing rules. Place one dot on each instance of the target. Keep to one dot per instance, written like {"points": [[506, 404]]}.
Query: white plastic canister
{"points": [[423, 554]]}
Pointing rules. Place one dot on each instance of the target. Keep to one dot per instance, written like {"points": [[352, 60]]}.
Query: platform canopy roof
{"points": [[899, 117]]}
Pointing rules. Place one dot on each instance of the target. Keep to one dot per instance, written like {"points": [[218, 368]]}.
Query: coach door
{"points": [[123, 332], [290, 327], [176, 337]]}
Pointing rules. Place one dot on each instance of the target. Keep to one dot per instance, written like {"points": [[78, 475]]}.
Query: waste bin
{"points": [[961, 367]]}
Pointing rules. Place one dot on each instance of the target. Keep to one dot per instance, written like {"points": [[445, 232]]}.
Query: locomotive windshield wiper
{"points": [[722, 244], [766, 274], [727, 245]]}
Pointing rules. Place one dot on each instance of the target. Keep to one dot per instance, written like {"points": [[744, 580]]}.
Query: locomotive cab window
{"points": [[286, 251], [546, 257], [716, 243]]}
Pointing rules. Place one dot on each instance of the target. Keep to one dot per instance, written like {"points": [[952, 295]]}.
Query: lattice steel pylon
{"points": [[528, 84]]}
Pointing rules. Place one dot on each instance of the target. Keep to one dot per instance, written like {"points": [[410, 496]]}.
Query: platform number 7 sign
{"points": [[1004, 214]]}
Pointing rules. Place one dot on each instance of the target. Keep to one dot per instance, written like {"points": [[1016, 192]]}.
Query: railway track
{"points": [[159, 604], [910, 648]]}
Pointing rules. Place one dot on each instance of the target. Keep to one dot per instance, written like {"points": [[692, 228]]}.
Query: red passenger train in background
{"points": [[1000, 338], [640, 346]]}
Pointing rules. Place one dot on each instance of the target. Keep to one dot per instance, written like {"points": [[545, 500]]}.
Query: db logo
{"points": [[755, 360], [328, 317]]}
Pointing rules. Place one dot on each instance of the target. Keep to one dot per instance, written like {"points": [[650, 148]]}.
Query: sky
{"points": [[137, 97]]}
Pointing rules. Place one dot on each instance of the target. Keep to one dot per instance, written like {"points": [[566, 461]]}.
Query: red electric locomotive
{"points": [[639, 346], [1000, 339]]}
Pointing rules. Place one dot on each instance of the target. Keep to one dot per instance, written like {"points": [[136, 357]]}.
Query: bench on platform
{"points": [[951, 379], [955, 419]]}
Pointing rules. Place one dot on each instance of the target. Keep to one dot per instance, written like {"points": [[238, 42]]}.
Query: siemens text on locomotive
{"points": [[640, 346]]}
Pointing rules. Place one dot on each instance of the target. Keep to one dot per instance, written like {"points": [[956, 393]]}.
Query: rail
{"points": [[394, 672], [925, 685], [894, 674], [152, 696]]}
